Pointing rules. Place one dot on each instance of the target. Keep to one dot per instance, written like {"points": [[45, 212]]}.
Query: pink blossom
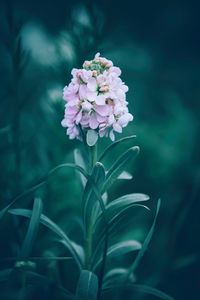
{"points": [[96, 99]]}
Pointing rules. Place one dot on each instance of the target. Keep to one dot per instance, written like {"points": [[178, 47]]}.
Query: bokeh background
{"points": [[156, 44]]}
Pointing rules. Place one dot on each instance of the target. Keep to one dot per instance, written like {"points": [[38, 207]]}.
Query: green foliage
{"points": [[99, 219], [32, 230], [87, 286], [118, 167], [53, 227]]}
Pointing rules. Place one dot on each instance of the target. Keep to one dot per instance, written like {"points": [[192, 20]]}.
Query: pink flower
{"points": [[96, 99]]}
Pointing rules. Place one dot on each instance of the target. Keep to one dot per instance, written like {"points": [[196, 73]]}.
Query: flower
{"points": [[96, 99]]}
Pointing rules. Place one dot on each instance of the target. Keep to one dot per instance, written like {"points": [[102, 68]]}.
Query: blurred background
{"points": [[156, 44]]}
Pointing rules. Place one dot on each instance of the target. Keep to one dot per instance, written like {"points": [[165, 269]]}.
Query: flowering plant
{"points": [[96, 100], [95, 107]]}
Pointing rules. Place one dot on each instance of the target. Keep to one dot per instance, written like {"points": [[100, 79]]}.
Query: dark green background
{"points": [[156, 44]]}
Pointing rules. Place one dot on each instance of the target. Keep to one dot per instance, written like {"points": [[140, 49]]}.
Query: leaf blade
{"points": [[53, 227], [115, 144], [87, 286], [118, 167], [32, 229]]}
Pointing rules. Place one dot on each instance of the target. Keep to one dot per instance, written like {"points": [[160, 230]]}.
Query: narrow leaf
{"points": [[115, 144], [43, 182], [87, 286], [80, 162], [119, 166], [90, 199], [150, 290], [119, 249], [124, 201], [53, 227], [32, 229], [117, 207], [139, 288], [145, 244]]}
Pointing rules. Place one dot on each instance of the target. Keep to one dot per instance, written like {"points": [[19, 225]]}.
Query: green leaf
{"points": [[145, 244], [115, 144], [140, 289], [119, 249], [36, 279], [53, 227], [113, 273], [79, 250], [116, 276], [150, 290], [87, 286], [90, 199], [120, 203], [91, 137], [125, 176], [80, 162], [116, 207], [118, 167], [43, 182], [32, 229]]}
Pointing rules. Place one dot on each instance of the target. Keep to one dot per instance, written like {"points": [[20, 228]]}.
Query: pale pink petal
{"points": [[100, 99], [83, 91], [100, 118], [117, 128], [102, 110], [93, 123], [112, 136], [92, 84], [91, 96]]}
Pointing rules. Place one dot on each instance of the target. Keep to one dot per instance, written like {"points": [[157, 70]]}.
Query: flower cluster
{"points": [[96, 99]]}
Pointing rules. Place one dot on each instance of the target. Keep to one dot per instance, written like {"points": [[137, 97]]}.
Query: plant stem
{"points": [[103, 266], [93, 156], [88, 241]]}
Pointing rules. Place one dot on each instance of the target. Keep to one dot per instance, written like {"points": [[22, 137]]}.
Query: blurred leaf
{"points": [[87, 286], [91, 137], [43, 182], [150, 290], [32, 229], [145, 244], [125, 176], [4, 274], [113, 273], [139, 288], [79, 250], [115, 144], [118, 167], [116, 275], [119, 249], [53, 227]]}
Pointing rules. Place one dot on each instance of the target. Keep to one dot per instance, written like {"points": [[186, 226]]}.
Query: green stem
{"points": [[103, 265], [88, 240], [93, 156]]}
